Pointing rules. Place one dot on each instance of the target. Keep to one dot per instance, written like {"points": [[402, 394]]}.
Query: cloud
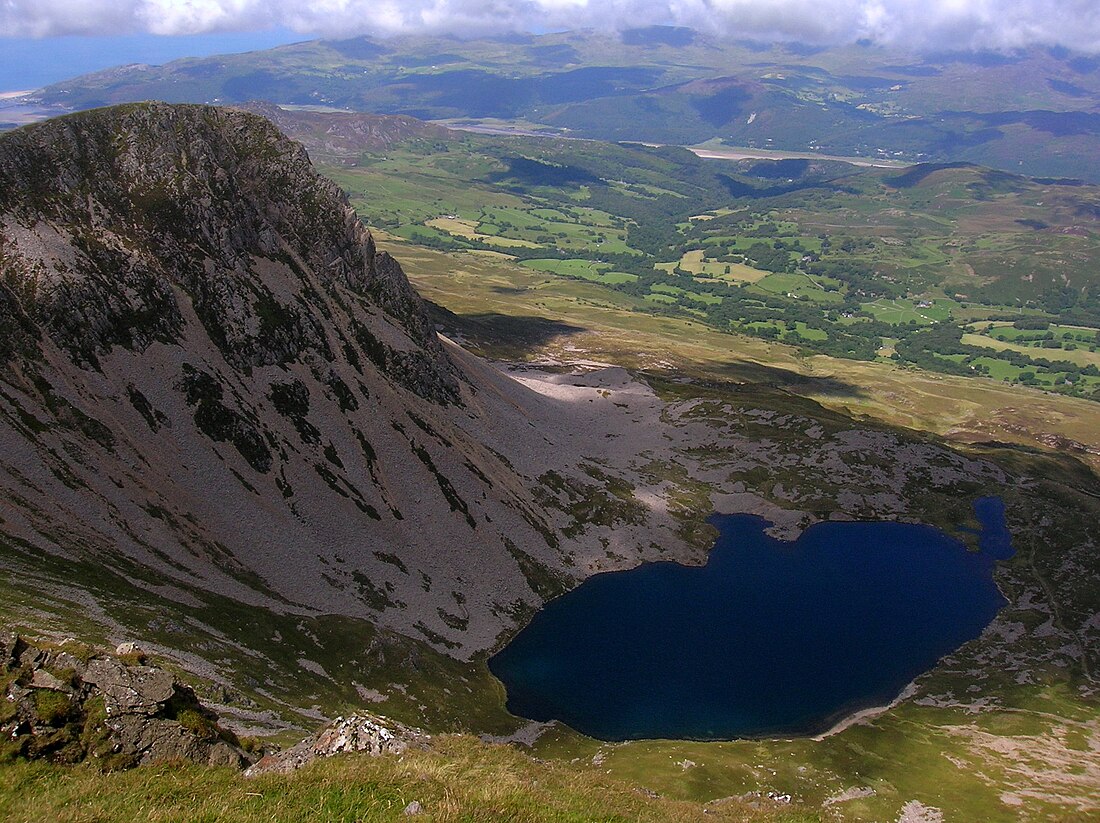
{"points": [[928, 24]]}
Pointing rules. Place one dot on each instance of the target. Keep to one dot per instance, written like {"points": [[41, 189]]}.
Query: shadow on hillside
{"points": [[776, 377], [502, 331]]}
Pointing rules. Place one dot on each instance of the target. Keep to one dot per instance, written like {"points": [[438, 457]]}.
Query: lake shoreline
{"points": [[869, 713]]}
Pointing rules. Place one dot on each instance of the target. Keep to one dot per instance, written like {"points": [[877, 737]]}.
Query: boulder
{"points": [[9, 649], [42, 679], [66, 710], [66, 662], [130, 689], [129, 649], [358, 733], [151, 740]]}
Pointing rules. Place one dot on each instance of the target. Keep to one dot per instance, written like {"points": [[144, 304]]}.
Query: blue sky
{"points": [[29, 63]]}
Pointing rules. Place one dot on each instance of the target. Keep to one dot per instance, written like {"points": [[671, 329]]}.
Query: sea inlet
{"points": [[768, 639]]}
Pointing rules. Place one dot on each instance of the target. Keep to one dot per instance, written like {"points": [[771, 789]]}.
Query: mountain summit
{"points": [[212, 381]]}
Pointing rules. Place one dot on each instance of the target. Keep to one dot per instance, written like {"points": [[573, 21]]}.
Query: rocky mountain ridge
{"points": [[143, 196], [213, 381], [342, 138]]}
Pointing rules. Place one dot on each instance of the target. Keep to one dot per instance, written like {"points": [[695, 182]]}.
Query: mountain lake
{"points": [[769, 638]]}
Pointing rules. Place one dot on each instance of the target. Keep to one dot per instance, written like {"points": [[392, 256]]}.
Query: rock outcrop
{"points": [[70, 706], [115, 221], [362, 732]]}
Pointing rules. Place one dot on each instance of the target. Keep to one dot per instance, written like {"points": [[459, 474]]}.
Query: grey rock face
{"points": [[67, 710], [9, 645], [113, 217], [42, 679], [156, 741], [210, 377], [133, 690]]}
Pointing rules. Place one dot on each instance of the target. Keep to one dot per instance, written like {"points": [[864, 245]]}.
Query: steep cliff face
{"points": [[110, 219], [210, 379]]}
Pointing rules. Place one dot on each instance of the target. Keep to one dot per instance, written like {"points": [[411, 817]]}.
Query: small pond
{"points": [[768, 639]]}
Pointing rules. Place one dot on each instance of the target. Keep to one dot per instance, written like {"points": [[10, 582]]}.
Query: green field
{"points": [[659, 289], [801, 287], [573, 268], [860, 271], [584, 269], [902, 312], [657, 297], [1077, 334], [1080, 356], [698, 264]]}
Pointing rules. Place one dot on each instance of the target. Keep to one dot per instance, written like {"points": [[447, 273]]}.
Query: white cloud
{"points": [[41, 18], [919, 23]]}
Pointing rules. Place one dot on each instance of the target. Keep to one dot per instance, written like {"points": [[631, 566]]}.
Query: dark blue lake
{"points": [[769, 638]]}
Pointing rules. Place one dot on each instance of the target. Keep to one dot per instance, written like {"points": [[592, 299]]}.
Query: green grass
{"points": [[676, 291], [574, 268], [802, 286], [459, 780], [931, 755], [579, 229], [610, 328], [401, 194], [614, 277], [583, 269], [810, 333], [999, 369], [423, 686], [946, 243], [695, 262], [909, 310], [1080, 356], [1080, 334]]}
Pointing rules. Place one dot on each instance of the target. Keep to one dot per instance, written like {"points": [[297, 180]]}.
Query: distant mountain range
{"points": [[1034, 112]]}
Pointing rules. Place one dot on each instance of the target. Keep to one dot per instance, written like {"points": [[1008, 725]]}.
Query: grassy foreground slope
{"points": [[460, 779]]}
